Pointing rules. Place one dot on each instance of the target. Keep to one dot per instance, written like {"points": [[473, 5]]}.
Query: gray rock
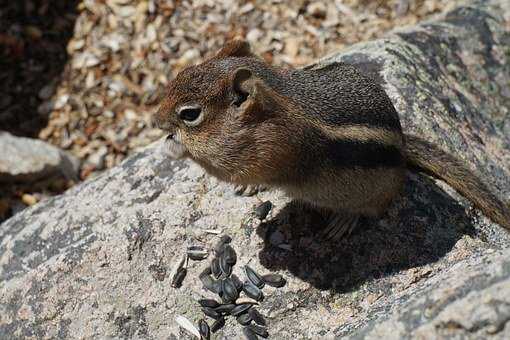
{"points": [[82, 265], [28, 160]]}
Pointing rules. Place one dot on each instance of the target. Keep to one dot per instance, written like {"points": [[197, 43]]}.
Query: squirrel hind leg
{"points": [[248, 190], [340, 226]]}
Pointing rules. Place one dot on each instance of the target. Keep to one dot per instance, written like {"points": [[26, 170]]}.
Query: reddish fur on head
{"points": [[242, 130]]}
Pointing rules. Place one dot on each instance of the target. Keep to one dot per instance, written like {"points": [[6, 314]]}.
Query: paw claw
{"points": [[248, 190], [339, 227]]}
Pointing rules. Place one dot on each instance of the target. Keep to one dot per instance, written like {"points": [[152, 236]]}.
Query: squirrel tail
{"points": [[426, 157]]}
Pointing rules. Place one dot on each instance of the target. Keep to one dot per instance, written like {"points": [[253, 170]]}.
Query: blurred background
{"points": [[85, 76]]}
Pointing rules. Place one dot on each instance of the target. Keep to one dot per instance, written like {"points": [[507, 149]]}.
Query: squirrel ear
{"points": [[235, 48], [253, 97], [244, 85]]}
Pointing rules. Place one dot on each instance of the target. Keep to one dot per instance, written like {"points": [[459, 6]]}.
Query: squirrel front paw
{"points": [[248, 190]]}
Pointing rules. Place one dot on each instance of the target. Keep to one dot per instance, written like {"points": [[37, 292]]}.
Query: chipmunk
{"points": [[328, 137]]}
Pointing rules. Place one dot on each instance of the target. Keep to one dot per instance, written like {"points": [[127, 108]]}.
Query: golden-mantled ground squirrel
{"points": [[328, 137]]}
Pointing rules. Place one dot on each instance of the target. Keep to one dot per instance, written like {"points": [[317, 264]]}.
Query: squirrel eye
{"points": [[191, 115]]}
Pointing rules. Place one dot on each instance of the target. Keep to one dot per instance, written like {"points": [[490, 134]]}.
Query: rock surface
{"points": [[95, 262], [28, 160]]}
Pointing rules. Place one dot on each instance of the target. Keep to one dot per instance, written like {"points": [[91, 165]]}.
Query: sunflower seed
{"points": [[263, 210], [198, 255], [225, 267], [240, 309], [213, 231], [210, 312], [215, 268], [179, 277], [225, 239], [230, 255], [196, 247], [237, 282], [187, 325], [229, 291], [225, 308], [257, 317], [244, 319], [208, 303], [259, 330], [252, 291], [178, 265], [218, 324], [244, 299], [205, 272], [248, 334], [274, 280], [203, 328], [254, 277], [211, 284]]}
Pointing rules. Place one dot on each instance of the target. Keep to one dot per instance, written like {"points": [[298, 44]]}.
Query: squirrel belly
{"points": [[367, 192]]}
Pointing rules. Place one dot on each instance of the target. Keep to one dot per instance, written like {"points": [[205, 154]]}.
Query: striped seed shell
{"points": [[274, 280], [257, 317], [211, 284], [230, 255], [215, 268], [198, 255], [263, 210], [240, 309], [225, 308], [210, 312], [244, 319], [208, 303], [218, 324], [229, 291], [252, 291], [259, 330], [254, 277], [249, 335], [179, 277], [237, 282], [203, 328], [225, 267], [206, 271], [178, 265], [219, 247], [195, 247]]}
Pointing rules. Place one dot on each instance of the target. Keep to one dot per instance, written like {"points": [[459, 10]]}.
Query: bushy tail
{"points": [[428, 158]]}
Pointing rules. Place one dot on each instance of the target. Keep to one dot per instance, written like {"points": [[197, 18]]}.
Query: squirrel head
{"points": [[223, 115]]}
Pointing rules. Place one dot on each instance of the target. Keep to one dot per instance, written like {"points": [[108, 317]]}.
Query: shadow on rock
{"points": [[420, 228]]}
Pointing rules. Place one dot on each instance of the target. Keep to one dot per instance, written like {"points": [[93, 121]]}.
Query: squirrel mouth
{"points": [[173, 146]]}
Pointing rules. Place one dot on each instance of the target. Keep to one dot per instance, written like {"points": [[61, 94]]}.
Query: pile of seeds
{"points": [[236, 298]]}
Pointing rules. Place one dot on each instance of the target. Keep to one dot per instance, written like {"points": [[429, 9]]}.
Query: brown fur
{"points": [[328, 137]]}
